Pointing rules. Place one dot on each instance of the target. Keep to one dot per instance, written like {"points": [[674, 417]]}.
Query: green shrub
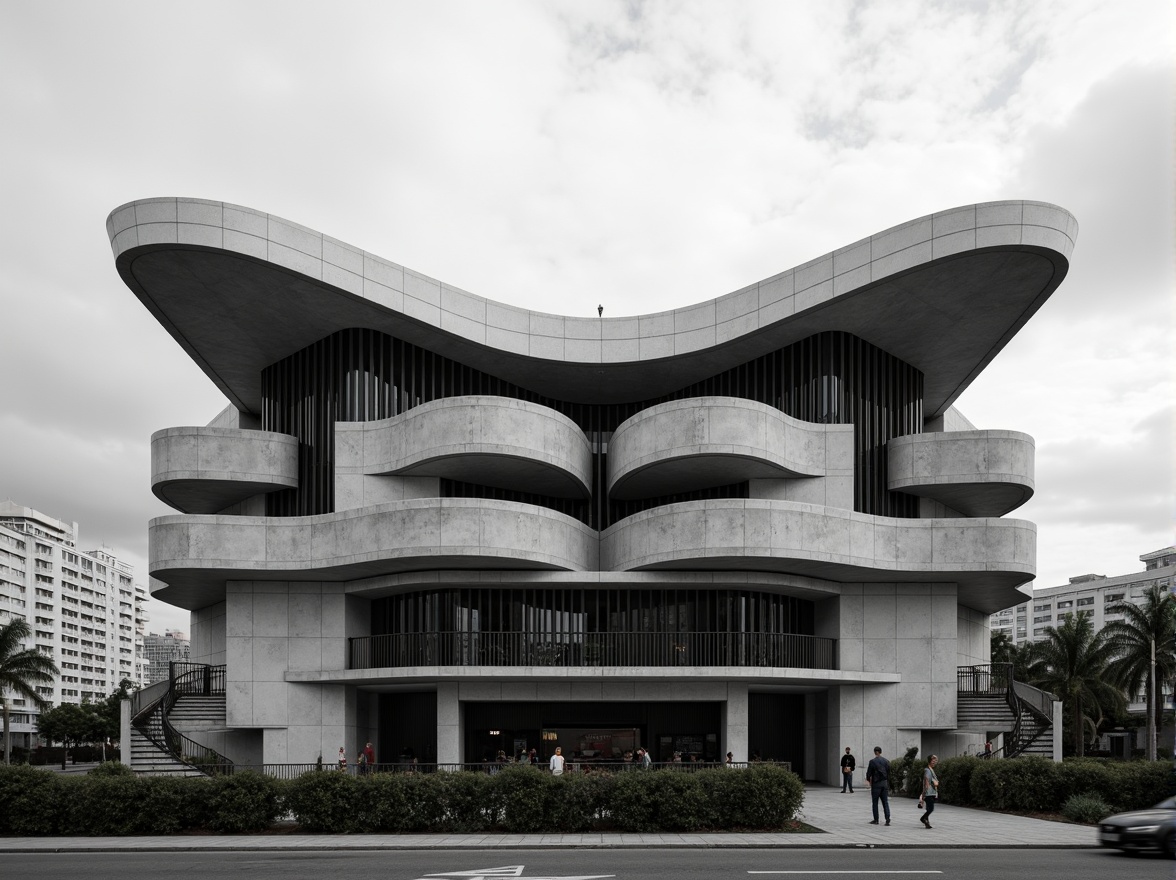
{"points": [[577, 803], [519, 796], [1088, 809], [761, 797], [111, 768], [103, 805], [631, 804], [1028, 784], [325, 802], [1086, 776], [906, 774], [383, 804], [33, 801], [767, 797], [678, 801], [955, 779], [243, 802], [168, 804], [468, 807]]}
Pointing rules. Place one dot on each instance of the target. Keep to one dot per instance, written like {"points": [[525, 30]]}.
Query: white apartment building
{"points": [[160, 650], [1091, 595], [84, 609]]}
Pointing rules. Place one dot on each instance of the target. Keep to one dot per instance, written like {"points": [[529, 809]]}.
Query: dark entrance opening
{"points": [[408, 728], [590, 732], [775, 728]]}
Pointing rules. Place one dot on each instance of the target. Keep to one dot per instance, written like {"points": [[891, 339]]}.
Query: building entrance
{"points": [[590, 733]]}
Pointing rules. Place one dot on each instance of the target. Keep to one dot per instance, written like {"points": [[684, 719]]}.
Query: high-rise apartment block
{"points": [[83, 608], [159, 651]]}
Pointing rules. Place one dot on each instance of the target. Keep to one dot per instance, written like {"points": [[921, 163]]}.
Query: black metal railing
{"points": [[193, 679], [149, 716], [593, 649], [1031, 708], [984, 678], [293, 771], [196, 679]]}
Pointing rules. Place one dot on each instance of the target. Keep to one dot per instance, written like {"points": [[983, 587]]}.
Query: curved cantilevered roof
{"points": [[240, 290]]}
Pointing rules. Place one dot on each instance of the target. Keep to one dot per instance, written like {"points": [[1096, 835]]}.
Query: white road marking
{"points": [[511, 871]]}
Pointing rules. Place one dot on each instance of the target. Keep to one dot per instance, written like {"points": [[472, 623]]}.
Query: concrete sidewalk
{"points": [[843, 818]]}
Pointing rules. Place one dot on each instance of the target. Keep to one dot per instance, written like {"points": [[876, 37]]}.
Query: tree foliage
{"points": [[21, 670], [1072, 663], [1131, 640]]}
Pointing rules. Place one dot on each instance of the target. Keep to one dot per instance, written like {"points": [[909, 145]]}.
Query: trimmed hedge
{"points": [[112, 801], [1038, 785]]}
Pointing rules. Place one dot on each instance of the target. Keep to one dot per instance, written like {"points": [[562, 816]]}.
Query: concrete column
{"points": [[735, 722], [450, 731], [1057, 732], [124, 732]]}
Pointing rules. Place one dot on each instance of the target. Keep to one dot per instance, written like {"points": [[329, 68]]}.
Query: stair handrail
{"points": [[201, 679], [144, 699], [1037, 701]]}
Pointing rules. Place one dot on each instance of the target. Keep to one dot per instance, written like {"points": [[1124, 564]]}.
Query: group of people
{"points": [[878, 777], [364, 761]]}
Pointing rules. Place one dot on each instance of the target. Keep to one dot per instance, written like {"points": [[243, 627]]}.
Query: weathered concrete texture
{"points": [[978, 473], [699, 442], [494, 441], [988, 557], [194, 555], [205, 470], [274, 627], [1020, 249]]}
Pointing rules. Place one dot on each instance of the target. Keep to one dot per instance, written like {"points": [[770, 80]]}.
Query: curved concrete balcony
{"points": [[700, 442], [195, 555], [494, 441], [204, 470], [987, 557], [978, 473]]}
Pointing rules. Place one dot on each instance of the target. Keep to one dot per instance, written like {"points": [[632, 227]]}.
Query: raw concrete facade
{"points": [[447, 525]]}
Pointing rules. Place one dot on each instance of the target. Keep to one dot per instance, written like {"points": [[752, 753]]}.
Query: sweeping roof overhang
{"points": [[240, 290]]}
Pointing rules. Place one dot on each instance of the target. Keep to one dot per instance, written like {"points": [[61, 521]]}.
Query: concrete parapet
{"points": [[194, 555], [206, 469], [978, 473], [987, 557], [494, 441], [699, 442]]}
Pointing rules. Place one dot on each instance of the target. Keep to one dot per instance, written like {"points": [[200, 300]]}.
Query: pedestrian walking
{"points": [[848, 765], [557, 762], [878, 775], [930, 790]]}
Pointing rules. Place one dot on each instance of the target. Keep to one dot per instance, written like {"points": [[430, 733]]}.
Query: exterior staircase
{"points": [[190, 701], [991, 702]]}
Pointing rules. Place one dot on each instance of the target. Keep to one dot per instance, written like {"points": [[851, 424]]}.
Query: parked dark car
{"points": [[1142, 829]]}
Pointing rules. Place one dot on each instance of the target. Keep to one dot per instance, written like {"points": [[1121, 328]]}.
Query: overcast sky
{"points": [[558, 155]]}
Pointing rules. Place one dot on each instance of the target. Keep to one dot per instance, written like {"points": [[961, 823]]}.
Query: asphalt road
{"points": [[628, 864]]}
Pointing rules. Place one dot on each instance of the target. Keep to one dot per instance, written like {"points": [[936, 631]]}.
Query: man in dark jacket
{"points": [[878, 775], [848, 765]]}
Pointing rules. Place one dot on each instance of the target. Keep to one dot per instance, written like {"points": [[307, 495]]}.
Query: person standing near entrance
{"points": [[878, 775], [930, 790], [557, 762], [848, 765]]}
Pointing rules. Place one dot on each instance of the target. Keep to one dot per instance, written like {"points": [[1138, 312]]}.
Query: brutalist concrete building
{"points": [[450, 526]]}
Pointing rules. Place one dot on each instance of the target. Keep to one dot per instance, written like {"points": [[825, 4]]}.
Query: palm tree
{"points": [[20, 669], [1072, 662], [1021, 657], [1152, 622]]}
